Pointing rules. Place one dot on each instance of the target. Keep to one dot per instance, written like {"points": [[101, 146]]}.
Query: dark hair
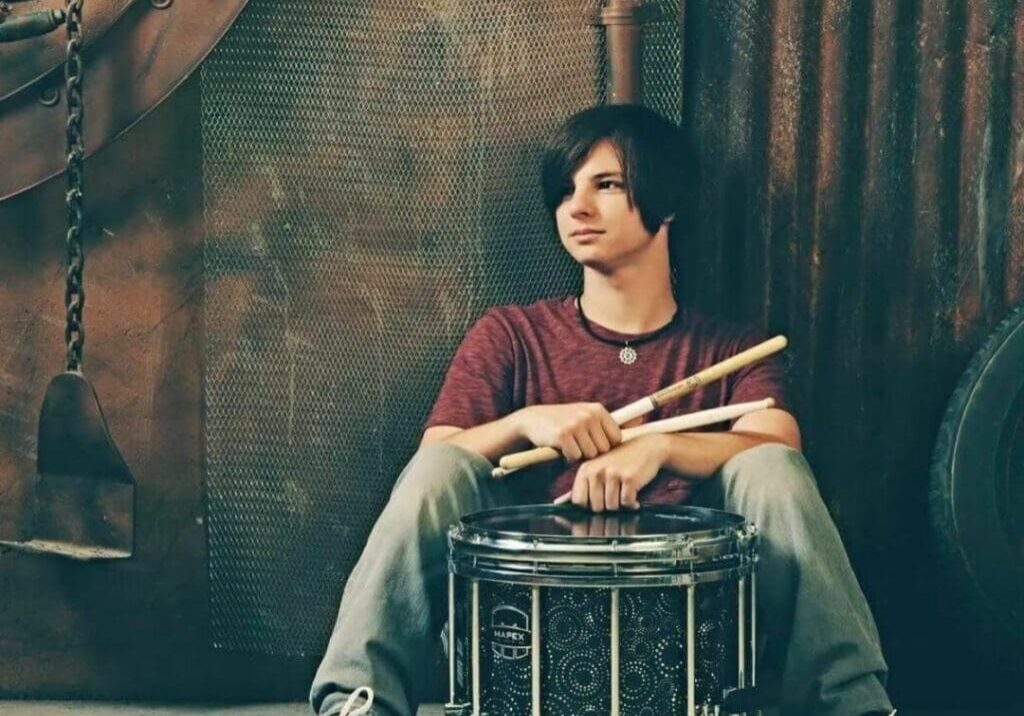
{"points": [[650, 148]]}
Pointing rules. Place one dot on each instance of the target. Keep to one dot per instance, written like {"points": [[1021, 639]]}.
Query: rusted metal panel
{"points": [[869, 206], [861, 188], [26, 61], [1013, 287], [134, 56], [139, 628]]}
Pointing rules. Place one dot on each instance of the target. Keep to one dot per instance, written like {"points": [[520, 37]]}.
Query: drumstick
{"points": [[688, 422], [654, 400], [679, 423]]}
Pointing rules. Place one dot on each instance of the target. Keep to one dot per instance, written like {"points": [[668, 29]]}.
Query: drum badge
{"points": [[510, 629]]}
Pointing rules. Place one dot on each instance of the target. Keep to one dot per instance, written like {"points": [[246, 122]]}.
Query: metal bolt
{"points": [[49, 96]]}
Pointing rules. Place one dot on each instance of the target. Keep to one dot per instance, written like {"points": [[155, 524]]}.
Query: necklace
{"points": [[627, 350]]}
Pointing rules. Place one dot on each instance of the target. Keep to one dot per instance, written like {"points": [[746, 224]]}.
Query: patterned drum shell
{"points": [[555, 610]]}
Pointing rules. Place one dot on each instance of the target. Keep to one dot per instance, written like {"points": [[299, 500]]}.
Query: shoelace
{"points": [[349, 708]]}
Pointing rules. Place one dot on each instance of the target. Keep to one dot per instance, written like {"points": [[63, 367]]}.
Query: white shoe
{"points": [[352, 707]]}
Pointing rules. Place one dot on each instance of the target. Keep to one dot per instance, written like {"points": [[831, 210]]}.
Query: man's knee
{"points": [[771, 473], [439, 474]]}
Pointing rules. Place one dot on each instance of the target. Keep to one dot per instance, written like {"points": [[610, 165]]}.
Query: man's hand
{"points": [[613, 480], [577, 430]]}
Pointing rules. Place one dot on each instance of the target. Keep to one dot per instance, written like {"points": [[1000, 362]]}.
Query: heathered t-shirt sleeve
{"points": [[478, 386], [763, 379]]}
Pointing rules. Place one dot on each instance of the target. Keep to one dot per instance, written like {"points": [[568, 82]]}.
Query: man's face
{"points": [[596, 223]]}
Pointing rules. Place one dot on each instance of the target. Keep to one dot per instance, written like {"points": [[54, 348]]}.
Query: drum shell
{"points": [[572, 581], [653, 649]]}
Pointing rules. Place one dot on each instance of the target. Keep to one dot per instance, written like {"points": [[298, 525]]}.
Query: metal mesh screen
{"points": [[371, 186], [662, 70]]}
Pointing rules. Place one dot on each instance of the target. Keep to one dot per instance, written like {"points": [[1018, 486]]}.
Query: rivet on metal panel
{"points": [[49, 96]]}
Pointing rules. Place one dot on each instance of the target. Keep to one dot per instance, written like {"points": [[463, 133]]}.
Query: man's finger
{"points": [[601, 440], [611, 493], [571, 450], [628, 497], [587, 446], [580, 490], [611, 429], [595, 483]]}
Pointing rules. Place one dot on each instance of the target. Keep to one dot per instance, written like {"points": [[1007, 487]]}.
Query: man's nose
{"points": [[580, 204]]}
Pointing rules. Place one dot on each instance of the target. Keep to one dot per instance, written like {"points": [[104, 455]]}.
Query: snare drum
{"points": [[557, 611]]}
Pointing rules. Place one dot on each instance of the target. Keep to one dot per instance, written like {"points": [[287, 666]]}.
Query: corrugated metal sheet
{"points": [[861, 190]]}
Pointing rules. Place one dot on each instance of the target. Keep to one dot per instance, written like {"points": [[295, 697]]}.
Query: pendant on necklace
{"points": [[627, 356]]}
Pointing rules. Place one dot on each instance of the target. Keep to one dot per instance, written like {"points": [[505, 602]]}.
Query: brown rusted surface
{"points": [[134, 58], [138, 628], [862, 190], [26, 61], [1014, 266]]}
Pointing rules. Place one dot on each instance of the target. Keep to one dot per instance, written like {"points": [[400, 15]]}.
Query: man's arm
{"points": [[700, 455], [492, 440], [614, 480], [577, 430]]}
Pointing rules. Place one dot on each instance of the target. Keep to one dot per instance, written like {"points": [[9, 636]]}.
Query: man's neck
{"points": [[627, 304]]}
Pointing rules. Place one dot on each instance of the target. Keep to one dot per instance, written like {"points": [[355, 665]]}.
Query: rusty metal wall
{"points": [[366, 199], [137, 628], [862, 189]]}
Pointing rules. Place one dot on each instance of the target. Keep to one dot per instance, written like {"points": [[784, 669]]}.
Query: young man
{"points": [[546, 374]]}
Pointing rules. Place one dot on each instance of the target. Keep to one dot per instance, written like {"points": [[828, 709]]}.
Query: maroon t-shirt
{"points": [[515, 356]]}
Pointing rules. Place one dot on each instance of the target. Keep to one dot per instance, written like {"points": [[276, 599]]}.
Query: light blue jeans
{"points": [[819, 635]]}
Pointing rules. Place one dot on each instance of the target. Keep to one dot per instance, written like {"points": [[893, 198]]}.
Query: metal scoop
{"points": [[82, 501]]}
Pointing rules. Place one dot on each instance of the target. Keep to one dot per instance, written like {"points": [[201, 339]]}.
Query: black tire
{"points": [[977, 487]]}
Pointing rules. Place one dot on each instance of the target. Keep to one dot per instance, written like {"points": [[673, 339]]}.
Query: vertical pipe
{"points": [[691, 652], [476, 647], [535, 651], [615, 652], [451, 638], [753, 627], [622, 35], [741, 633]]}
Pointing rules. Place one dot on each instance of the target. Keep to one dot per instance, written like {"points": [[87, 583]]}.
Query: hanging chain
{"points": [[74, 295]]}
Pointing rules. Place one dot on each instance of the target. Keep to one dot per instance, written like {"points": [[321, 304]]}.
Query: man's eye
{"points": [[609, 184]]}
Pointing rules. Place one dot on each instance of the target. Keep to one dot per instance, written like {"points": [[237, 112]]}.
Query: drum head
{"points": [[566, 545], [569, 521]]}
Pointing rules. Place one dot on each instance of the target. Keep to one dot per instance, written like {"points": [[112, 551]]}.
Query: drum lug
{"points": [[746, 700]]}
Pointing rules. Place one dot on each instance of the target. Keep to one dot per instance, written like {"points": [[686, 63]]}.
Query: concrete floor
{"points": [[95, 708], [86, 708]]}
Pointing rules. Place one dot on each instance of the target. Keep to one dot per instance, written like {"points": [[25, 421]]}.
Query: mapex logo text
{"points": [[510, 633]]}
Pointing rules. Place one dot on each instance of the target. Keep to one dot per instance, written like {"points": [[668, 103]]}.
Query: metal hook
{"points": [[30, 24]]}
